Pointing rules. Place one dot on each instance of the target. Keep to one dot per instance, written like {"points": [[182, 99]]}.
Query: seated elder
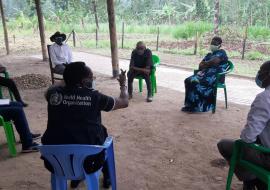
{"points": [[140, 65], [199, 96], [10, 84], [14, 112], [60, 52], [256, 130]]}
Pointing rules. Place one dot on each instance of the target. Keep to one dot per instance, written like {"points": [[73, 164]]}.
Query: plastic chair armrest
{"points": [[254, 146]]}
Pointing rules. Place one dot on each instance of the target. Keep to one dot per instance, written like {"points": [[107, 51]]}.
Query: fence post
{"points": [[123, 34], [74, 38], [96, 37], [157, 38], [244, 42], [196, 43]]}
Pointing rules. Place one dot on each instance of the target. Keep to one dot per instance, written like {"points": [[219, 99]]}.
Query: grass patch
{"points": [[255, 55]]}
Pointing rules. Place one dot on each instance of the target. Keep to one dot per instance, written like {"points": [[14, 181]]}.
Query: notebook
{"points": [[4, 102]]}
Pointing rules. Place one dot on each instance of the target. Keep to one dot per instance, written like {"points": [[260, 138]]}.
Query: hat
{"points": [[58, 34]]}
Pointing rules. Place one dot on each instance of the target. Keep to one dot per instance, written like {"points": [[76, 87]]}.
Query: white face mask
{"points": [[214, 48]]}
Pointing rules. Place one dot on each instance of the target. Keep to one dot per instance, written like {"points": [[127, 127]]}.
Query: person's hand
{"points": [[122, 78]]}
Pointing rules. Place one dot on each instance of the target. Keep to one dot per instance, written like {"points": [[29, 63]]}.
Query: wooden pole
{"points": [[216, 17], [96, 37], [244, 42], [41, 30], [4, 26], [113, 38], [123, 34], [157, 38], [74, 38], [196, 43]]}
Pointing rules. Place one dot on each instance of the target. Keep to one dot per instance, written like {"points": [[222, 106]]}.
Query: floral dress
{"points": [[200, 86]]}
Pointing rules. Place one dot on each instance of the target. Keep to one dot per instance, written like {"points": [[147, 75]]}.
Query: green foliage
{"points": [[258, 32], [234, 54], [190, 29], [254, 55]]}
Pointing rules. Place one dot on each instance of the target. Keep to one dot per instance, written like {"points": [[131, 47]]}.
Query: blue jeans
{"points": [[14, 111]]}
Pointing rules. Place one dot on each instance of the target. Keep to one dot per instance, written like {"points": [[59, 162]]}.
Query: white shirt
{"points": [[60, 54], [258, 120]]}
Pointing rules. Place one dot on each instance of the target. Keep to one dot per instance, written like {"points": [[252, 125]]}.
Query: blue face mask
{"points": [[258, 81]]}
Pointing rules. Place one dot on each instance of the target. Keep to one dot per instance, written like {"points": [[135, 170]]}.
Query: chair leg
{"points": [[215, 101], [10, 138], [111, 165], [233, 161], [58, 183], [225, 94], [92, 181], [140, 84], [1, 93]]}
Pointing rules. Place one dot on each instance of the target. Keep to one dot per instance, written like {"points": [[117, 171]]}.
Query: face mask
{"points": [[214, 48], [90, 84], [59, 41], [258, 81]]}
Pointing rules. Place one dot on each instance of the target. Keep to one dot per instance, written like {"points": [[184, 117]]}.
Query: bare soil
{"points": [[156, 145]]}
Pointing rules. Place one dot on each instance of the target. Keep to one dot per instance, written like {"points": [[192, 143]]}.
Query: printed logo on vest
{"points": [[56, 99]]}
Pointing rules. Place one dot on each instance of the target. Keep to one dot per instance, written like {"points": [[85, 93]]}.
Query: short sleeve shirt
{"points": [[74, 116], [142, 61]]}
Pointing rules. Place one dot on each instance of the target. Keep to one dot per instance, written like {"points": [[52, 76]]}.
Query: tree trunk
{"points": [[41, 30], [95, 12], [216, 17], [113, 38], [4, 26]]}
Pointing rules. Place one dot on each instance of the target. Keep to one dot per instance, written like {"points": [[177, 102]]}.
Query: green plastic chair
{"points": [[11, 141], [237, 159], [222, 85], [153, 79], [6, 75]]}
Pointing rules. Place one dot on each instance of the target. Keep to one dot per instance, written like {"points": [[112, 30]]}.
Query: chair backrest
{"points": [[50, 63], [156, 60], [67, 160], [230, 67]]}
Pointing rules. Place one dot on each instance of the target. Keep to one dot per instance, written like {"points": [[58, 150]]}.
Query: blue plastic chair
{"points": [[66, 168]]}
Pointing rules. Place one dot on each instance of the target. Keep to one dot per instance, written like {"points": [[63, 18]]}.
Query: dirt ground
{"points": [[156, 145]]}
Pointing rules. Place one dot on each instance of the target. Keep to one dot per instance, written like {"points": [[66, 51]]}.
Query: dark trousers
{"points": [[12, 86], [132, 74], [59, 69], [225, 147], [15, 112]]}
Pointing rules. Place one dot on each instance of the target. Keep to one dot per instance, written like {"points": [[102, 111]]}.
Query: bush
{"points": [[254, 55]]}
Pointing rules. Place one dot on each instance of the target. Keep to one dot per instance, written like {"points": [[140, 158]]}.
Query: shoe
{"points": [[32, 148], [130, 96], [149, 99], [75, 183], [249, 185], [36, 136], [24, 104], [106, 183], [186, 109]]}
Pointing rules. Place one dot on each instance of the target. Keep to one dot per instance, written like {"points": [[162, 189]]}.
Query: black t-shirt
{"points": [[74, 116], [142, 61]]}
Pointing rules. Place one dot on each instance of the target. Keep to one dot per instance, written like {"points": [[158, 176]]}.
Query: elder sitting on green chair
{"points": [[140, 65], [200, 94], [257, 130]]}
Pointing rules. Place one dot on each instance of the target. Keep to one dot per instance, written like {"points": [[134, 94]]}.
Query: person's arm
{"points": [[257, 119], [122, 100], [70, 57], [53, 56], [108, 103], [215, 61], [2, 69]]}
